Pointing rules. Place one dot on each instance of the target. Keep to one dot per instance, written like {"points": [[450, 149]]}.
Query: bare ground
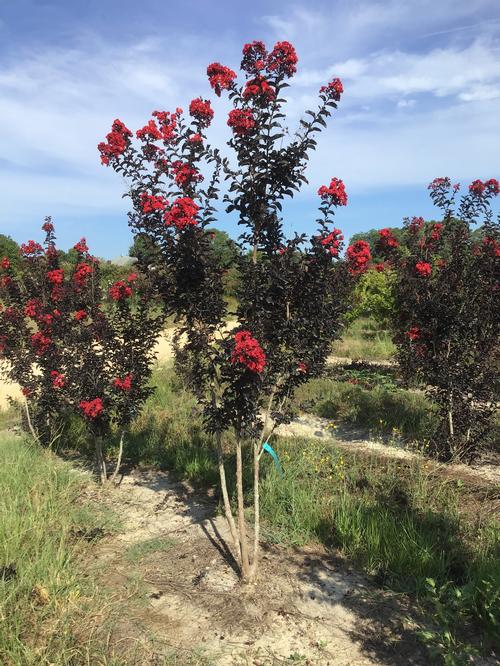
{"points": [[309, 607]]}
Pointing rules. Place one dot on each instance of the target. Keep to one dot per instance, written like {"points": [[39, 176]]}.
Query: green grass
{"points": [[364, 339], [381, 410], [46, 602], [399, 521]]}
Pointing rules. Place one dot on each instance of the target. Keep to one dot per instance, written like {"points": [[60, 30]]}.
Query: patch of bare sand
{"points": [[308, 606]]}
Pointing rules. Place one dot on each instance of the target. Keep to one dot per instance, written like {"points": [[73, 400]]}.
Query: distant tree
{"points": [[9, 248], [144, 249], [226, 250]]}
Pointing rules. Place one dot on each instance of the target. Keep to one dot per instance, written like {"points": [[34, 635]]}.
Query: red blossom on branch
{"points": [[30, 249], [283, 59], [333, 90], [358, 257], [241, 121], [117, 142], [248, 352], [335, 192], [81, 246], [201, 111], [82, 272], [182, 213], [56, 276], [151, 203], [185, 174], [258, 87], [254, 57], [124, 384], [332, 241], [91, 408], [58, 380], [423, 268], [119, 291], [5, 263], [220, 77]]}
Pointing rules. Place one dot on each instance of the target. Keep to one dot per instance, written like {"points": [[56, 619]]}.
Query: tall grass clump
{"points": [[48, 607], [411, 529]]}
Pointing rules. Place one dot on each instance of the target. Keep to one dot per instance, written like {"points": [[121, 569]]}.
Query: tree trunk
{"points": [[100, 462], [227, 504], [256, 508], [245, 565], [119, 459]]}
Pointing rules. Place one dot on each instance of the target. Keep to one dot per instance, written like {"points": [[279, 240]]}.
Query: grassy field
{"points": [[365, 340], [49, 608], [405, 524]]}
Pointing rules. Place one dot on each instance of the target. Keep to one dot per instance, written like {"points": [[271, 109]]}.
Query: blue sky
{"points": [[422, 99]]}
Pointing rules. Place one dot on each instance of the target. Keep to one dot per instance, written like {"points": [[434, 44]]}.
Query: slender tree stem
{"points": [[30, 424], [225, 496], [256, 507], [101, 463], [245, 565], [119, 459]]}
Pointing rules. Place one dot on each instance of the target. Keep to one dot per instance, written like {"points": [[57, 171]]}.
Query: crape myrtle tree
{"points": [[446, 314], [293, 293], [73, 347]]}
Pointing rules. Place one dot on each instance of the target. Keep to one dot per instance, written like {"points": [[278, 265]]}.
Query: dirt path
{"points": [[315, 427], [309, 607]]}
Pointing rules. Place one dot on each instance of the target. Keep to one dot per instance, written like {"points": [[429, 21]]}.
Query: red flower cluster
{"points": [[423, 268], [333, 90], [380, 268], [56, 276], [182, 213], [439, 183], [254, 57], [82, 272], [436, 231], [248, 352], [80, 314], [40, 343], [168, 123], [220, 77], [492, 245], [335, 192], [489, 186], [185, 174], [149, 132], [358, 257], [416, 224], [81, 246], [241, 121], [91, 408], [117, 141], [414, 333], [201, 111], [260, 88], [283, 59], [32, 308], [150, 202], [332, 242], [302, 367], [58, 380], [124, 384], [195, 138], [48, 227], [5, 263], [387, 239], [119, 291], [30, 249]]}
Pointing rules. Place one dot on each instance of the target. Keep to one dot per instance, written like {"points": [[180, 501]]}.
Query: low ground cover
{"points": [[49, 610]]}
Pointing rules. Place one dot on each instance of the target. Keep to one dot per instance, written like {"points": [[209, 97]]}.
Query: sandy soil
{"points": [[308, 608]]}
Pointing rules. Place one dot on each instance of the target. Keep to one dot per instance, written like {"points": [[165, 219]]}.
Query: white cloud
{"points": [[405, 117]]}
